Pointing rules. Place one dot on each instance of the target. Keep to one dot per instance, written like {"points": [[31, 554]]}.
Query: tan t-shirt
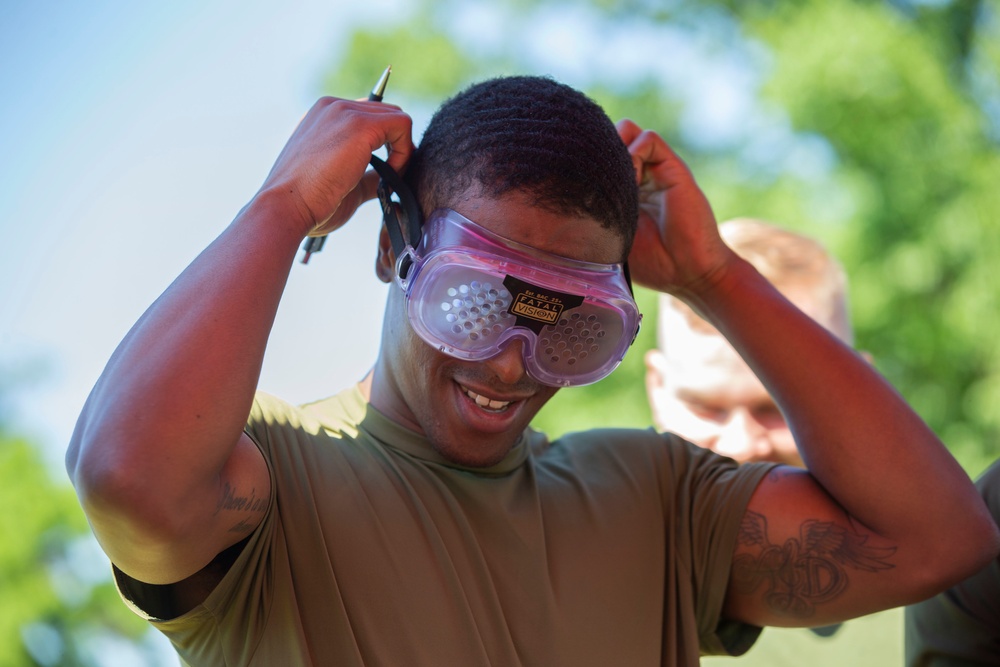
{"points": [[609, 547]]}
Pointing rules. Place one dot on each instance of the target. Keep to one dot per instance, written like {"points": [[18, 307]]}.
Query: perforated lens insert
{"points": [[580, 341], [572, 338], [477, 311]]}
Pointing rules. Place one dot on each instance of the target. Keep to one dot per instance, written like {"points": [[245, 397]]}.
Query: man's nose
{"points": [[743, 438], [508, 363]]}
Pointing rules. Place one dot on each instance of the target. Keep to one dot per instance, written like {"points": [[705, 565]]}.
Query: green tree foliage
{"points": [[872, 125], [53, 610], [916, 153]]}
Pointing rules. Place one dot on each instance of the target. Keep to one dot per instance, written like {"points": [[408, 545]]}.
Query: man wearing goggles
{"points": [[415, 518]]}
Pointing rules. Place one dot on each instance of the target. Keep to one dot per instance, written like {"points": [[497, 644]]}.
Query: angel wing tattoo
{"points": [[804, 571]]}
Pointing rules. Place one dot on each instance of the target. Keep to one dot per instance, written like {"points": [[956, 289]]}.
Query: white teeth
{"points": [[484, 402]]}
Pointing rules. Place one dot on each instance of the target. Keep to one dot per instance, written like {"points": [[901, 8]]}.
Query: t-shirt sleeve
{"points": [[710, 497], [244, 590]]}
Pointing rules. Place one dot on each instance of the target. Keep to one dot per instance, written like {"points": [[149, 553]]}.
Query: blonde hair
{"points": [[790, 261]]}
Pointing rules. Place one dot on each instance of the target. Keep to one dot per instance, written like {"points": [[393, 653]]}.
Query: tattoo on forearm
{"points": [[251, 503], [806, 571]]}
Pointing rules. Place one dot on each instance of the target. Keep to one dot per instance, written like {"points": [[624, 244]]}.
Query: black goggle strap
{"points": [[390, 183], [628, 278], [628, 281]]}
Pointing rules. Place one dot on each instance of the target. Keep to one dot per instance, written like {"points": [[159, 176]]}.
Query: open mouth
{"points": [[485, 402]]}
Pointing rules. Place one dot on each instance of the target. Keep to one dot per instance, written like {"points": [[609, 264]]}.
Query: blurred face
{"points": [[702, 390], [474, 412]]}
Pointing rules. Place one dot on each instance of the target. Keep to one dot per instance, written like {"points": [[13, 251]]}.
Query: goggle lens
{"points": [[474, 315], [578, 343]]}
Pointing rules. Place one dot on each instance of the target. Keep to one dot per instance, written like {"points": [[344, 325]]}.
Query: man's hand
{"points": [[321, 170], [677, 246]]}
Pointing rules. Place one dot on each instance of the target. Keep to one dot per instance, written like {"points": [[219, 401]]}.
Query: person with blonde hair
{"points": [[700, 388]]}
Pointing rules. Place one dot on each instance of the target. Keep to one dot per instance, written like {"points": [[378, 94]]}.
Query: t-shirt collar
{"points": [[398, 437]]}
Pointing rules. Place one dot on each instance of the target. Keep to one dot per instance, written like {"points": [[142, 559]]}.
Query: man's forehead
{"points": [[697, 355], [516, 216], [703, 359], [713, 374], [681, 328]]}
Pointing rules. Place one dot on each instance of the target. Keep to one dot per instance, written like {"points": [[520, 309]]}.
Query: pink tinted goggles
{"points": [[469, 292]]}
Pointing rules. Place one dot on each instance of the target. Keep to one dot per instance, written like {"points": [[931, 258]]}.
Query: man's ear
{"points": [[655, 361], [385, 262], [655, 385]]}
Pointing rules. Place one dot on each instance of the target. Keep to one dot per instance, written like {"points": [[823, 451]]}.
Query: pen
{"points": [[379, 90], [314, 244]]}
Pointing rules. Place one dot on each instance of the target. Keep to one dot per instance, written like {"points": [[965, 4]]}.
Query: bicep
{"points": [[167, 544], [801, 560]]}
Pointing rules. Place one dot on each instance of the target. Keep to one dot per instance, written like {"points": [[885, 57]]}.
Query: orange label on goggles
{"points": [[535, 306]]}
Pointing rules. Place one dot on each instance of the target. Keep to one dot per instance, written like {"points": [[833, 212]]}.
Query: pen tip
{"points": [[379, 90]]}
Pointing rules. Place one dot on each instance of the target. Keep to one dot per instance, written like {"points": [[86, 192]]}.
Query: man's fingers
{"points": [[652, 157], [368, 187], [627, 130]]}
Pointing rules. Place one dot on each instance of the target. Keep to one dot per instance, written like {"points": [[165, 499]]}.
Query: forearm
{"points": [[174, 397], [860, 440]]}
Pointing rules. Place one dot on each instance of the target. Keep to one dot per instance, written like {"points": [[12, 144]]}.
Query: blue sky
{"points": [[130, 135]]}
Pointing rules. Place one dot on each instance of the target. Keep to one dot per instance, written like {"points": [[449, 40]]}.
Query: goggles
{"points": [[470, 292]]}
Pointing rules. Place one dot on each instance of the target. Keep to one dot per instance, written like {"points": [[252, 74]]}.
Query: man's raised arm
{"points": [[884, 515], [159, 446]]}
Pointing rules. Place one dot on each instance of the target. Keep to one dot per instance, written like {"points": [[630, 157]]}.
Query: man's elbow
{"points": [[988, 541], [136, 526], [955, 558], [108, 491], [120, 495]]}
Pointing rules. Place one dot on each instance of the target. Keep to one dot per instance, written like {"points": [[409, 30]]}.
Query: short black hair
{"points": [[529, 134]]}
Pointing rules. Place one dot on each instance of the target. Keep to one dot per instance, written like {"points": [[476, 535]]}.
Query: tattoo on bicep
{"points": [[231, 501], [806, 571], [243, 526]]}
